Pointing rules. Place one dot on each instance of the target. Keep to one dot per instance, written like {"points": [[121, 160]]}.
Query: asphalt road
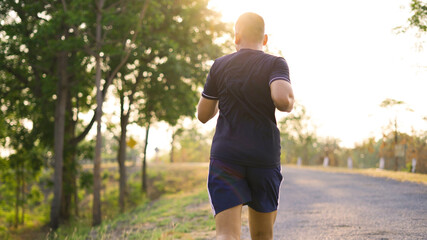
{"points": [[324, 205]]}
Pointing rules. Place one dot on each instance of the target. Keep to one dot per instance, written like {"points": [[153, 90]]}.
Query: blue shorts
{"points": [[230, 185]]}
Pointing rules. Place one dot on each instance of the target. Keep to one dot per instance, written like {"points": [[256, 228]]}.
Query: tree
{"points": [[18, 173], [170, 63], [298, 136], [47, 57], [165, 69], [33, 66], [418, 18], [177, 131], [193, 145], [51, 55], [20, 168], [100, 13], [96, 203], [394, 105]]}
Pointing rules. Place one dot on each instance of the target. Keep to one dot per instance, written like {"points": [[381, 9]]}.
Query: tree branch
{"points": [[128, 50], [113, 73], [115, 4], [82, 135], [64, 5], [18, 76]]}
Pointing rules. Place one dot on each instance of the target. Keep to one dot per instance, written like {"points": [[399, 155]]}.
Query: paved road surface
{"points": [[325, 205]]}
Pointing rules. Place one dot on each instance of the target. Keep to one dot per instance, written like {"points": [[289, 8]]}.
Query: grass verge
{"points": [[374, 172], [182, 212]]}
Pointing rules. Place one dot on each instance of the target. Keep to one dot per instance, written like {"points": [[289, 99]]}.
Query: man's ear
{"points": [[264, 42], [237, 38]]}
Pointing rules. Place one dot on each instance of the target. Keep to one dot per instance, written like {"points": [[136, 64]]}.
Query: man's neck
{"points": [[249, 46]]}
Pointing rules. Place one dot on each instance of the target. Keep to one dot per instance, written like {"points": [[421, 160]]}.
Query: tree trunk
{"points": [[67, 188], [76, 196], [396, 158], [59, 139], [97, 162], [144, 161], [121, 159], [70, 164], [17, 195], [72, 180], [96, 211], [172, 145], [74, 121], [23, 194]]}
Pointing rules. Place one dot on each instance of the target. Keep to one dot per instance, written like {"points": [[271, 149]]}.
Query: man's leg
{"points": [[228, 223], [261, 224]]}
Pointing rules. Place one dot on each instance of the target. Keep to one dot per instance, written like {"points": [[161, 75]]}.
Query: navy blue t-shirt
{"points": [[246, 131]]}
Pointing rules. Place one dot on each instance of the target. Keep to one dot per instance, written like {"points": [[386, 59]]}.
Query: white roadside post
{"points": [[349, 163], [381, 163], [414, 163], [299, 161], [325, 162]]}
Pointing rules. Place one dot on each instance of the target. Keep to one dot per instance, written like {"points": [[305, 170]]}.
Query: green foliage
{"points": [[86, 180], [192, 145], [366, 154], [35, 196], [389, 102], [298, 137], [35, 35], [170, 61], [7, 190], [419, 15], [86, 150], [106, 174], [3, 164], [4, 233], [180, 213], [168, 55]]}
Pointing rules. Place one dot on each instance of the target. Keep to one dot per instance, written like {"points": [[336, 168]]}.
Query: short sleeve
{"points": [[280, 71], [210, 90]]}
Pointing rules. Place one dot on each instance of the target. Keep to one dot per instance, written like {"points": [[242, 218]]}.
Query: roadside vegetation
{"points": [[175, 207], [301, 144]]}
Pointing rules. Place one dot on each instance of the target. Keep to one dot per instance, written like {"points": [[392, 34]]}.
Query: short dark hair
{"points": [[251, 27]]}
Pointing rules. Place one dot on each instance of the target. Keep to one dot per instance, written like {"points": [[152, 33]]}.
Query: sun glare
{"points": [[343, 65], [231, 10]]}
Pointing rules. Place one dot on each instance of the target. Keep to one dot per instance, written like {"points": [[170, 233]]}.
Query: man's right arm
{"points": [[282, 95], [206, 109]]}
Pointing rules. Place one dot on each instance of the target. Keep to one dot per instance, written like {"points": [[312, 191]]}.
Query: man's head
{"points": [[249, 30]]}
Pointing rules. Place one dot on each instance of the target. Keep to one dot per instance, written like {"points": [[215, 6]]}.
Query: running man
{"points": [[247, 86]]}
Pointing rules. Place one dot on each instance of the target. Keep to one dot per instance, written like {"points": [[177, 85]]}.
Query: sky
{"points": [[344, 59]]}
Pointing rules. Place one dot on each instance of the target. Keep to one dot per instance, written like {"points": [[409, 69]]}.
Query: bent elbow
{"points": [[203, 116], [290, 107], [202, 119], [285, 104]]}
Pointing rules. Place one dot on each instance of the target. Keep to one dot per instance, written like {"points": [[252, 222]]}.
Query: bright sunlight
{"points": [[345, 58]]}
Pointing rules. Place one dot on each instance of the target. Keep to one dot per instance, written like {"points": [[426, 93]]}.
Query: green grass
{"points": [[173, 216], [182, 212]]}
